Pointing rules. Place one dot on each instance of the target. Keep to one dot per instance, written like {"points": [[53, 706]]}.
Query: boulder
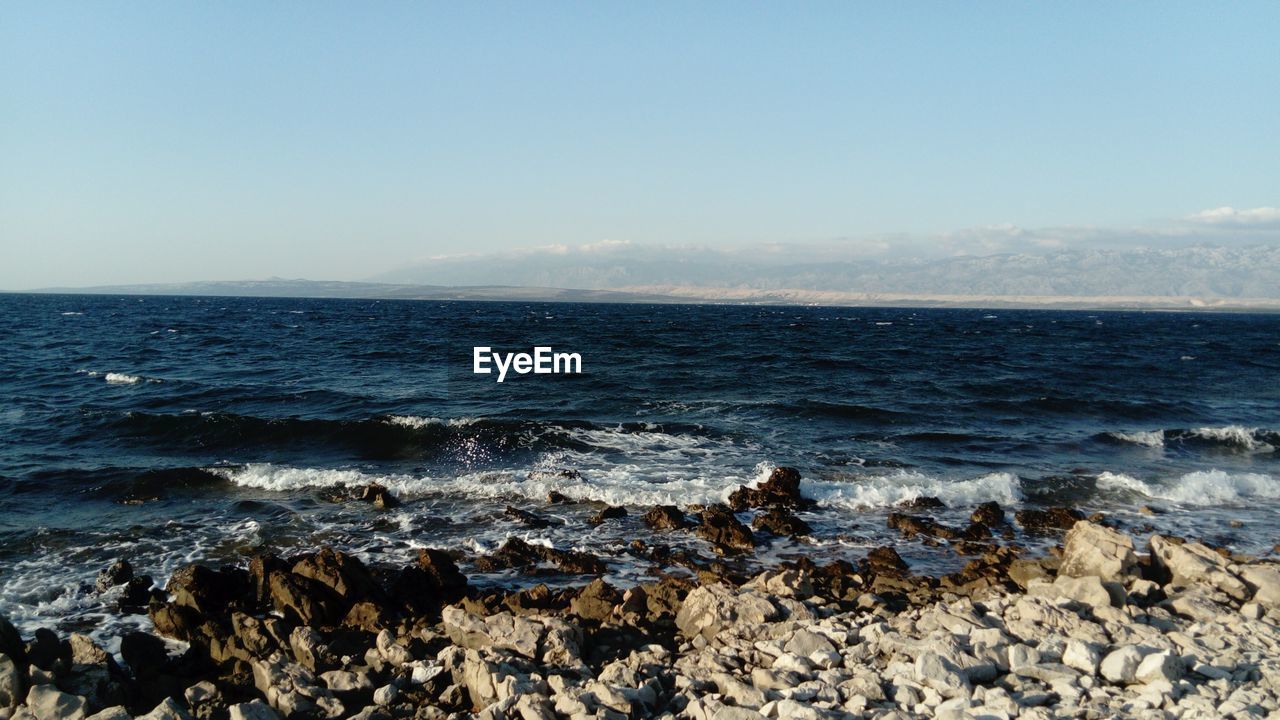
{"points": [[378, 495], [118, 573], [168, 709], [12, 684], [1089, 590], [1048, 521], [1195, 564], [611, 512], [11, 642], [1095, 550], [722, 529], [711, 610], [207, 591], [665, 517], [304, 600], [344, 574], [1120, 666], [144, 653], [46, 702], [781, 522], [256, 710], [596, 601], [780, 489], [1264, 580]]}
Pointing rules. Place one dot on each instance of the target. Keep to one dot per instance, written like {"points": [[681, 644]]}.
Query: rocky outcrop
{"points": [[781, 489], [724, 531], [1099, 551], [665, 517]]}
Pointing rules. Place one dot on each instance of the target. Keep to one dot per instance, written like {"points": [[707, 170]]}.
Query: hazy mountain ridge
{"points": [[1199, 271]]}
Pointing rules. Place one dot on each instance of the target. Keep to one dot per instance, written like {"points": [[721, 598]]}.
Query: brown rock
{"points": [[208, 591], [723, 530], [608, 513], [781, 522], [912, 525], [1049, 521], [305, 600], [885, 560], [525, 517], [924, 502], [596, 601], [665, 517], [781, 489], [378, 496], [344, 574]]}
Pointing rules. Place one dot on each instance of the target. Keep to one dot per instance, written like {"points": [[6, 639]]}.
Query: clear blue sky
{"points": [[227, 140]]}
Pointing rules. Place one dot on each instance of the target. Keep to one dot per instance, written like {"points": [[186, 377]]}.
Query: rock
{"points": [[913, 525], [988, 513], [11, 642], [206, 591], [378, 496], [781, 489], [723, 530], [1092, 549], [1048, 521], [256, 710], [1193, 563], [1089, 590], [608, 513], [112, 713], [516, 553], [806, 642], [924, 502], [144, 653], [1082, 656], [1160, 666], [710, 610], [48, 703], [596, 601], [168, 709], [11, 683], [781, 522], [385, 695], [664, 517], [934, 671], [344, 574], [525, 517], [433, 583], [556, 498], [118, 573], [884, 560], [307, 601], [1121, 666], [1264, 581], [138, 593]]}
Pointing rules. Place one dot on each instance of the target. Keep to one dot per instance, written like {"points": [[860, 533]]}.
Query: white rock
{"points": [[1159, 666], [48, 703], [1193, 563], [1082, 656], [1121, 666], [112, 713], [256, 710], [10, 684], [385, 695], [168, 709], [1264, 580], [934, 671], [1099, 551]]}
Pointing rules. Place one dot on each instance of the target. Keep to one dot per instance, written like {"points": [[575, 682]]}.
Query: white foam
{"points": [[1147, 438], [1239, 436], [417, 423], [1203, 487], [122, 379], [881, 491]]}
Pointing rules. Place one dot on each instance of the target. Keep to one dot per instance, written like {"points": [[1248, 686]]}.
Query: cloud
{"points": [[1227, 215]]}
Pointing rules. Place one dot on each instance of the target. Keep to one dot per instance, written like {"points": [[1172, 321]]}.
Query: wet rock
{"points": [[138, 593], [525, 517], [665, 517], [884, 560], [924, 502], [596, 601], [378, 495], [302, 599], [1100, 551], [176, 621], [556, 498], [781, 522], [608, 513], [1048, 521], [118, 573], [989, 513], [781, 489], [723, 530], [516, 553], [344, 574], [913, 525], [207, 591]]}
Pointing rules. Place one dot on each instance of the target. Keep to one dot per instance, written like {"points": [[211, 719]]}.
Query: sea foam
{"points": [[1203, 487]]}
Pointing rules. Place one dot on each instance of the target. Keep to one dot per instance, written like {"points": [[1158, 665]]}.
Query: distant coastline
{"points": [[667, 294]]}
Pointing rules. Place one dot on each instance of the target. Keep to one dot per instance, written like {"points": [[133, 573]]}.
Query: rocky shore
{"points": [[1097, 628]]}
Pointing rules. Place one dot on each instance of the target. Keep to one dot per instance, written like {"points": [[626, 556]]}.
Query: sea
{"points": [[171, 430]]}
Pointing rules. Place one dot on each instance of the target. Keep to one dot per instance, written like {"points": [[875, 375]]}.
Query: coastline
{"points": [[1094, 628]]}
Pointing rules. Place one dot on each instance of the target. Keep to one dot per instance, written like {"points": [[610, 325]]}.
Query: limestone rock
{"points": [[1096, 550], [1193, 563]]}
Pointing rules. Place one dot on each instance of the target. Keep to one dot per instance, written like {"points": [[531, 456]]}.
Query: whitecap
{"points": [[1202, 487], [881, 491], [1146, 438]]}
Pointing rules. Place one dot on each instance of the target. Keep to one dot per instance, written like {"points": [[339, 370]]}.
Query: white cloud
{"points": [[1227, 215]]}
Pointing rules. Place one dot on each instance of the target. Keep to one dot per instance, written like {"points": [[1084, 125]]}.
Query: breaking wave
{"points": [[1227, 437], [888, 490], [1203, 487]]}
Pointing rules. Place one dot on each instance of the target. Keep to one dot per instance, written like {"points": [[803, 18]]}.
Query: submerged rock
{"points": [[722, 529], [1049, 521], [665, 517], [781, 522]]}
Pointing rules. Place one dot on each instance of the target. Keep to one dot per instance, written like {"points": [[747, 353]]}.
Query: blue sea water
{"points": [[172, 429]]}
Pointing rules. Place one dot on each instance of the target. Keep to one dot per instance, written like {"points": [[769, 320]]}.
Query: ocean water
{"points": [[169, 429]]}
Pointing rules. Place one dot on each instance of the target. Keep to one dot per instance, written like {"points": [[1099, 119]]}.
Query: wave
{"points": [[1203, 487], [882, 491], [616, 485], [1227, 437], [116, 378]]}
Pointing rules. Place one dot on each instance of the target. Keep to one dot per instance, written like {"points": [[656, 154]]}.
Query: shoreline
{"points": [[1094, 628]]}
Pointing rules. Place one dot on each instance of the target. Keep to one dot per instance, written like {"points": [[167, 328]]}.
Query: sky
{"points": [[166, 142]]}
